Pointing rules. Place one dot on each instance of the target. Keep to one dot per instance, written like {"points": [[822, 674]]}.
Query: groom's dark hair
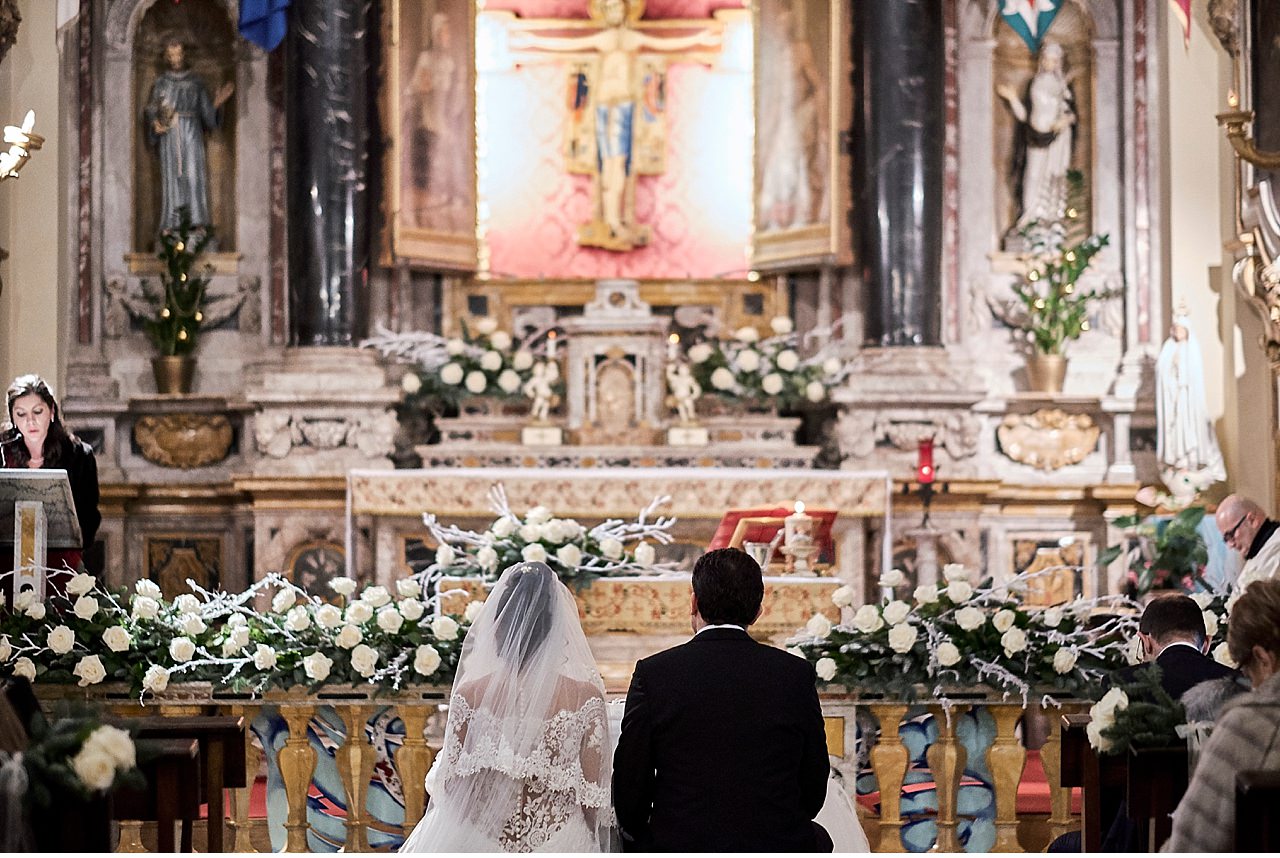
{"points": [[729, 587]]}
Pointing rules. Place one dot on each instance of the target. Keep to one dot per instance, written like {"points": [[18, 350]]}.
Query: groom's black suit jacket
{"points": [[722, 749]]}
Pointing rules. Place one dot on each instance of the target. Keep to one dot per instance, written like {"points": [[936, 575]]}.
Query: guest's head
{"points": [[1238, 520], [33, 411], [523, 610], [1171, 619], [728, 588], [1253, 636]]}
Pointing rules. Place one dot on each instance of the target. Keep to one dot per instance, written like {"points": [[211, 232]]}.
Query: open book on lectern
{"points": [[49, 487]]}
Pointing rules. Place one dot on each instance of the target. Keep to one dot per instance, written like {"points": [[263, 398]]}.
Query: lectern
{"points": [[36, 513]]}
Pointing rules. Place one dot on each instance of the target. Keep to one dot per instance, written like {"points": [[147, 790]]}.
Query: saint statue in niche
{"points": [[620, 91], [178, 114], [1047, 118], [1186, 447]]}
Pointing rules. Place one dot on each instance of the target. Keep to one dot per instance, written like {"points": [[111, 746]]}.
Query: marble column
{"points": [[330, 117], [898, 168]]}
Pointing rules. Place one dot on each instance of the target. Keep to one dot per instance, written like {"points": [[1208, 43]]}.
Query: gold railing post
{"points": [[889, 760], [947, 758], [413, 760], [1006, 758], [355, 767], [241, 825], [130, 837], [297, 765], [1060, 819]]}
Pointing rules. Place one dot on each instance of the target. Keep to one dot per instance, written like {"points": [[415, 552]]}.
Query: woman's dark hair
{"points": [[56, 442], [729, 586], [524, 612]]}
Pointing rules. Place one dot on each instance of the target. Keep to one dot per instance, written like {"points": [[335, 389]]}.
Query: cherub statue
{"points": [[685, 390], [540, 389]]}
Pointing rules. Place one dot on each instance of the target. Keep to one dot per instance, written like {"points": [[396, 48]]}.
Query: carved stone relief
{"points": [[184, 440], [277, 433], [860, 432], [1049, 439]]}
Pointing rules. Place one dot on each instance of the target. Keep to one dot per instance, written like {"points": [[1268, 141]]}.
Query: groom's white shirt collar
{"points": [[719, 626]]}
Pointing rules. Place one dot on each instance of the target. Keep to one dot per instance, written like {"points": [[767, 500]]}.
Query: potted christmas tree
{"points": [[175, 327]]}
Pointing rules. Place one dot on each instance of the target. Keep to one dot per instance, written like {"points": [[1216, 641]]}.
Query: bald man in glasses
{"points": [[1246, 528]]}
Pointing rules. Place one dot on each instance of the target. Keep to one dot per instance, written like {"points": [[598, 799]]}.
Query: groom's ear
{"points": [[693, 604]]}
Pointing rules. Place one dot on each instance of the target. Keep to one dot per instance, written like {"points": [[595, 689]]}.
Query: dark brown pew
{"points": [[1257, 797], [172, 770]]}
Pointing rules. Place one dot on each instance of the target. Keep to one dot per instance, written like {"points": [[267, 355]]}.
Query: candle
{"points": [[925, 472], [799, 522], [551, 344], [673, 347], [1233, 101]]}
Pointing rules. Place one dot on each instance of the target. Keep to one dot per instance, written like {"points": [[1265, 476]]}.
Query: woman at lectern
{"points": [[36, 437]]}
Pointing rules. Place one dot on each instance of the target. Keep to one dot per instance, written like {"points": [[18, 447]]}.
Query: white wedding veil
{"points": [[526, 763]]}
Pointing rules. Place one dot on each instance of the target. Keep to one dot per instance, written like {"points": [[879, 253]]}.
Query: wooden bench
{"points": [[1257, 797], [172, 770]]}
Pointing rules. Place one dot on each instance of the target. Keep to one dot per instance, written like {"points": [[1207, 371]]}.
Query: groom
{"points": [[722, 746]]}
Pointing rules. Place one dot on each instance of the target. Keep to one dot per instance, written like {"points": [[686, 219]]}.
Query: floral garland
{"points": [[95, 634], [577, 555], [956, 634], [749, 369]]}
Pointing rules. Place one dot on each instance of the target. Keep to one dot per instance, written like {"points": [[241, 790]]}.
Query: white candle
{"points": [[551, 344]]}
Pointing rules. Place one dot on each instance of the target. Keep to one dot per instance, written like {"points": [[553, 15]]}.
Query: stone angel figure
{"points": [[684, 389], [541, 391]]}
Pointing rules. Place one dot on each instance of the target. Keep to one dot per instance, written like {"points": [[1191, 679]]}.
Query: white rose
{"points": [[116, 744], [569, 555], [24, 600], [902, 637], [926, 594], [748, 360], [36, 610], [410, 383], [80, 584], [782, 325], [342, 585], [555, 532], [1052, 617], [1221, 654], [746, 334], [1064, 660], [476, 381], [182, 649], [377, 596], [116, 639], [186, 604], [455, 347], [818, 626], [1014, 641], [473, 611], [1105, 709], [451, 374], [826, 669], [970, 618], [426, 660], [893, 578], [236, 620], [444, 628], [700, 353], [843, 596], [538, 515], [509, 381], [359, 612], [236, 640], [90, 671], [503, 527], [191, 624], [85, 607], [959, 591], [390, 620], [611, 548], [1004, 620], [722, 379], [145, 608], [407, 588], [867, 619], [771, 384], [522, 360], [896, 611], [1210, 624], [412, 610], [787, 360], [283, 601], [95, 769], [487, 558], [264, 657], [948, 654], [531, 532], [364, 660], [500, 340], [486, 325], [156, 679], [534, 553], [6, 649], [348, 636], [1094, 731], [646, 554], [317, 666], [60, 640], [328, 617], [955, 572], [297, 620], [24, 667], [815, 391], [832, 365], [1202, 600], [147, 587], [490, 362]]}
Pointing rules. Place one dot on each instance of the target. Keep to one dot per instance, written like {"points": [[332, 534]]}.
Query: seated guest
{"points": [[1173, 637], [1246, 735]]}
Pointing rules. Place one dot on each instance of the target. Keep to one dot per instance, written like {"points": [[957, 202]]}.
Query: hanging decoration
{"points": [[1030, 19]]}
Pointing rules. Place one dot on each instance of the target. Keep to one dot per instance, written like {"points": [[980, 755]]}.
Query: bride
{"points": [[527, 762]]}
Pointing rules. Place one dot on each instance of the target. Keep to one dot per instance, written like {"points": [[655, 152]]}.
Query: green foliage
{"points": [[1168, 553], [48, 761], [175, 328], [1151, 718]]}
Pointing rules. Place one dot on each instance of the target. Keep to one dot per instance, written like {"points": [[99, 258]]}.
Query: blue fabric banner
{"points": [[264, 22]]}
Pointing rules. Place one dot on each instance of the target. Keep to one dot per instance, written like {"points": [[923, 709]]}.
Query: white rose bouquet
{"points": [[77, 757]]}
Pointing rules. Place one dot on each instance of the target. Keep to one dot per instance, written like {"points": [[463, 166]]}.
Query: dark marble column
{"points": [[330, 116], [898, 132]]}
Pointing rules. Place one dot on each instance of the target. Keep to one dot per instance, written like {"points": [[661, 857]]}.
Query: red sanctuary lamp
{"points": [[926, 473]]}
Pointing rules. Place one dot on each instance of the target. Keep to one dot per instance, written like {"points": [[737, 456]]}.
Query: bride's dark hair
{"points": [[524, 612]]}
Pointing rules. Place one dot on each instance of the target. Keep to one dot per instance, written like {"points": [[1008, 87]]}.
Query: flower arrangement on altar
{"points": [[576, 554], [1165, 553], [383, 637], [956, 634], [768, 371]]}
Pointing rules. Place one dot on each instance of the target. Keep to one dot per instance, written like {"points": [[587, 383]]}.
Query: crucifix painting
{"points": [[616, 84]]}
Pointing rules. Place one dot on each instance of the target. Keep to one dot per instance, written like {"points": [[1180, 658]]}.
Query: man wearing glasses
{"points": [[1246, 528]]}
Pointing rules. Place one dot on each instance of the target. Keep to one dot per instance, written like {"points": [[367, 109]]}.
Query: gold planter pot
{"points": [[1046, 373], [173, 373]]}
